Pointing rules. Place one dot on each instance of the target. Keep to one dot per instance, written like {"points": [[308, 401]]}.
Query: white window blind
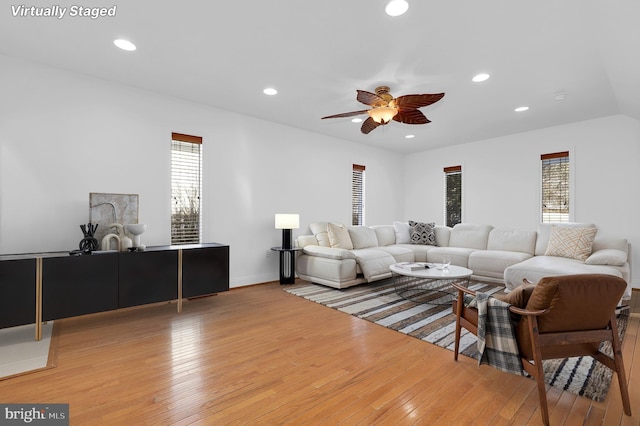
{"points": [[186, 188], [555, 187], [453, 195], [357, 195]]}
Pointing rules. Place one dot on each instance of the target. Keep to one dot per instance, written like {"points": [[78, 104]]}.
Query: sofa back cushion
{"points": [[363, 237], [544, 231], [443, 233], [319, 230], [468, 235], [385, 234], [509, 239]]}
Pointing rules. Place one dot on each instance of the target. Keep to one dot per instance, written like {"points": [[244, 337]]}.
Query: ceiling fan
{"points": [[403, 109]]}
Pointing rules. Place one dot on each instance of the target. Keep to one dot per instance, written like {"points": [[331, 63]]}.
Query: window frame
{"points": [[560, 157], [186, 141], [358, 194], [447, 173]]}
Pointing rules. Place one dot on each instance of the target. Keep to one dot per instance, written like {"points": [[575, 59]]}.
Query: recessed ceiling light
{"points": [[396, 7], [125, 44], [270, 91], [356, 120], [560, 96], [410, 136], [480, 78], [522, 108]]}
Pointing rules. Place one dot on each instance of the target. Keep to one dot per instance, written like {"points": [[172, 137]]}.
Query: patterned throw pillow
{"points": [[423, 233], [573, 243]]}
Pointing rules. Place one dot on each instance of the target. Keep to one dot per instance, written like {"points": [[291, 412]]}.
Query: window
{"points": [[555, 187], [186, 187], [452, 195], [357, 195]]}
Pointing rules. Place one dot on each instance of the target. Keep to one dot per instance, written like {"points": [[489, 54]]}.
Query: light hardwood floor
{"points": [[257, 355]]}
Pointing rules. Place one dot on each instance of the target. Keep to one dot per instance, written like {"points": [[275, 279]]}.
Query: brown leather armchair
{"points": [[563, 317]]}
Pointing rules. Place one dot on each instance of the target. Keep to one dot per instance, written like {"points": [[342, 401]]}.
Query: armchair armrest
{"points": [[328, 252], [461, 289]]}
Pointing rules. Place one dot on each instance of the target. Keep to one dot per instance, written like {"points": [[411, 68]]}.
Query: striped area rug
{"points": [[378, 302]]}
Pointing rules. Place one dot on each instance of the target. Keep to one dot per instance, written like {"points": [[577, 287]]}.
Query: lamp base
{"points": [[286, 239]]}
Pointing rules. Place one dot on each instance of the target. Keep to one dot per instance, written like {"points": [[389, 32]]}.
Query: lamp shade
{"points": [[287, 221], [382, 114]]}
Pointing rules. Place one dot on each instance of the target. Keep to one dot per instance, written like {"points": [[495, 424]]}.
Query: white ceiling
{"points": [[317, 53]]}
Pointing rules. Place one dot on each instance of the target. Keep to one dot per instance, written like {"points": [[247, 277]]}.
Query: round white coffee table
{"points": [[429, 285]]}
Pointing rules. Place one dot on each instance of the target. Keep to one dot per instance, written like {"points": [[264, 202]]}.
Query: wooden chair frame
{"points": [[566, 341]]}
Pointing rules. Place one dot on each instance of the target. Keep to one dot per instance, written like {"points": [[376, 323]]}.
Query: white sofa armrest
{"points": [[329, 252]]}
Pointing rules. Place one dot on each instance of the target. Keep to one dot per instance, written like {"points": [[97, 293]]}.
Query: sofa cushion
{"points": [[399, 253], [574, 243], [385, 234], [374, 263], [607, 257], [419, 251], [456, 255], [339, 236], [538, 267], [544, 231], [363, 237], [470, 236], [508, 239], [443, 233], [403, 232], [328, 252], [423, 233], [621, 244], [319, 230], [492, 263]]}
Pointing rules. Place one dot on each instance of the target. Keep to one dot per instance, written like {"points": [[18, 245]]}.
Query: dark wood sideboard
{"points": [[39, 287]]}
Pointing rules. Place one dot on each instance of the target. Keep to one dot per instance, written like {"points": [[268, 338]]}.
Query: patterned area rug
{"points": [[379, 303]]}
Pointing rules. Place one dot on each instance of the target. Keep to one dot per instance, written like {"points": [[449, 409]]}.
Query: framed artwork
{"points": [[105, 209]]}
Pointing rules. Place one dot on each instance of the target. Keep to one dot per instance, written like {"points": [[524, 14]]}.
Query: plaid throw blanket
{"points": [[496, 339]]}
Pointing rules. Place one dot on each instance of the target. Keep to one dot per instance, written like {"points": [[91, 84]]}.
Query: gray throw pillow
{"points": [[423, 233]]}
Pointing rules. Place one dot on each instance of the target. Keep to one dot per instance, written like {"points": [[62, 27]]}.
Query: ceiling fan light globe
{"points": [[382, 114]]}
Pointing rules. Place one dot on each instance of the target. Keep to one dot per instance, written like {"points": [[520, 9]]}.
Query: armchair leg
{"points": [[532, 323], [458, 325], [619, 366]]}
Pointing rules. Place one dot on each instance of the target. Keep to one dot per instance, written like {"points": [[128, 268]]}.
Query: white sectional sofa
{"points": [[341, 257]]}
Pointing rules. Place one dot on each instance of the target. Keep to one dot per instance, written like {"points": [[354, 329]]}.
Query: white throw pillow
{"points": [[607, 257], [363, 237], [339, 236], [403, 232], [573, 243]]}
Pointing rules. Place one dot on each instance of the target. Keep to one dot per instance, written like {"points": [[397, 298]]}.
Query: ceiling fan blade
{"points": [[411, 116], [369, 98], [416, 101], [368, 126], [347, 114]]}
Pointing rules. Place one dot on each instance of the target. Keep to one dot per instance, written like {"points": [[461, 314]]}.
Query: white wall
{"points": [[501, 178], [64, 135]]}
